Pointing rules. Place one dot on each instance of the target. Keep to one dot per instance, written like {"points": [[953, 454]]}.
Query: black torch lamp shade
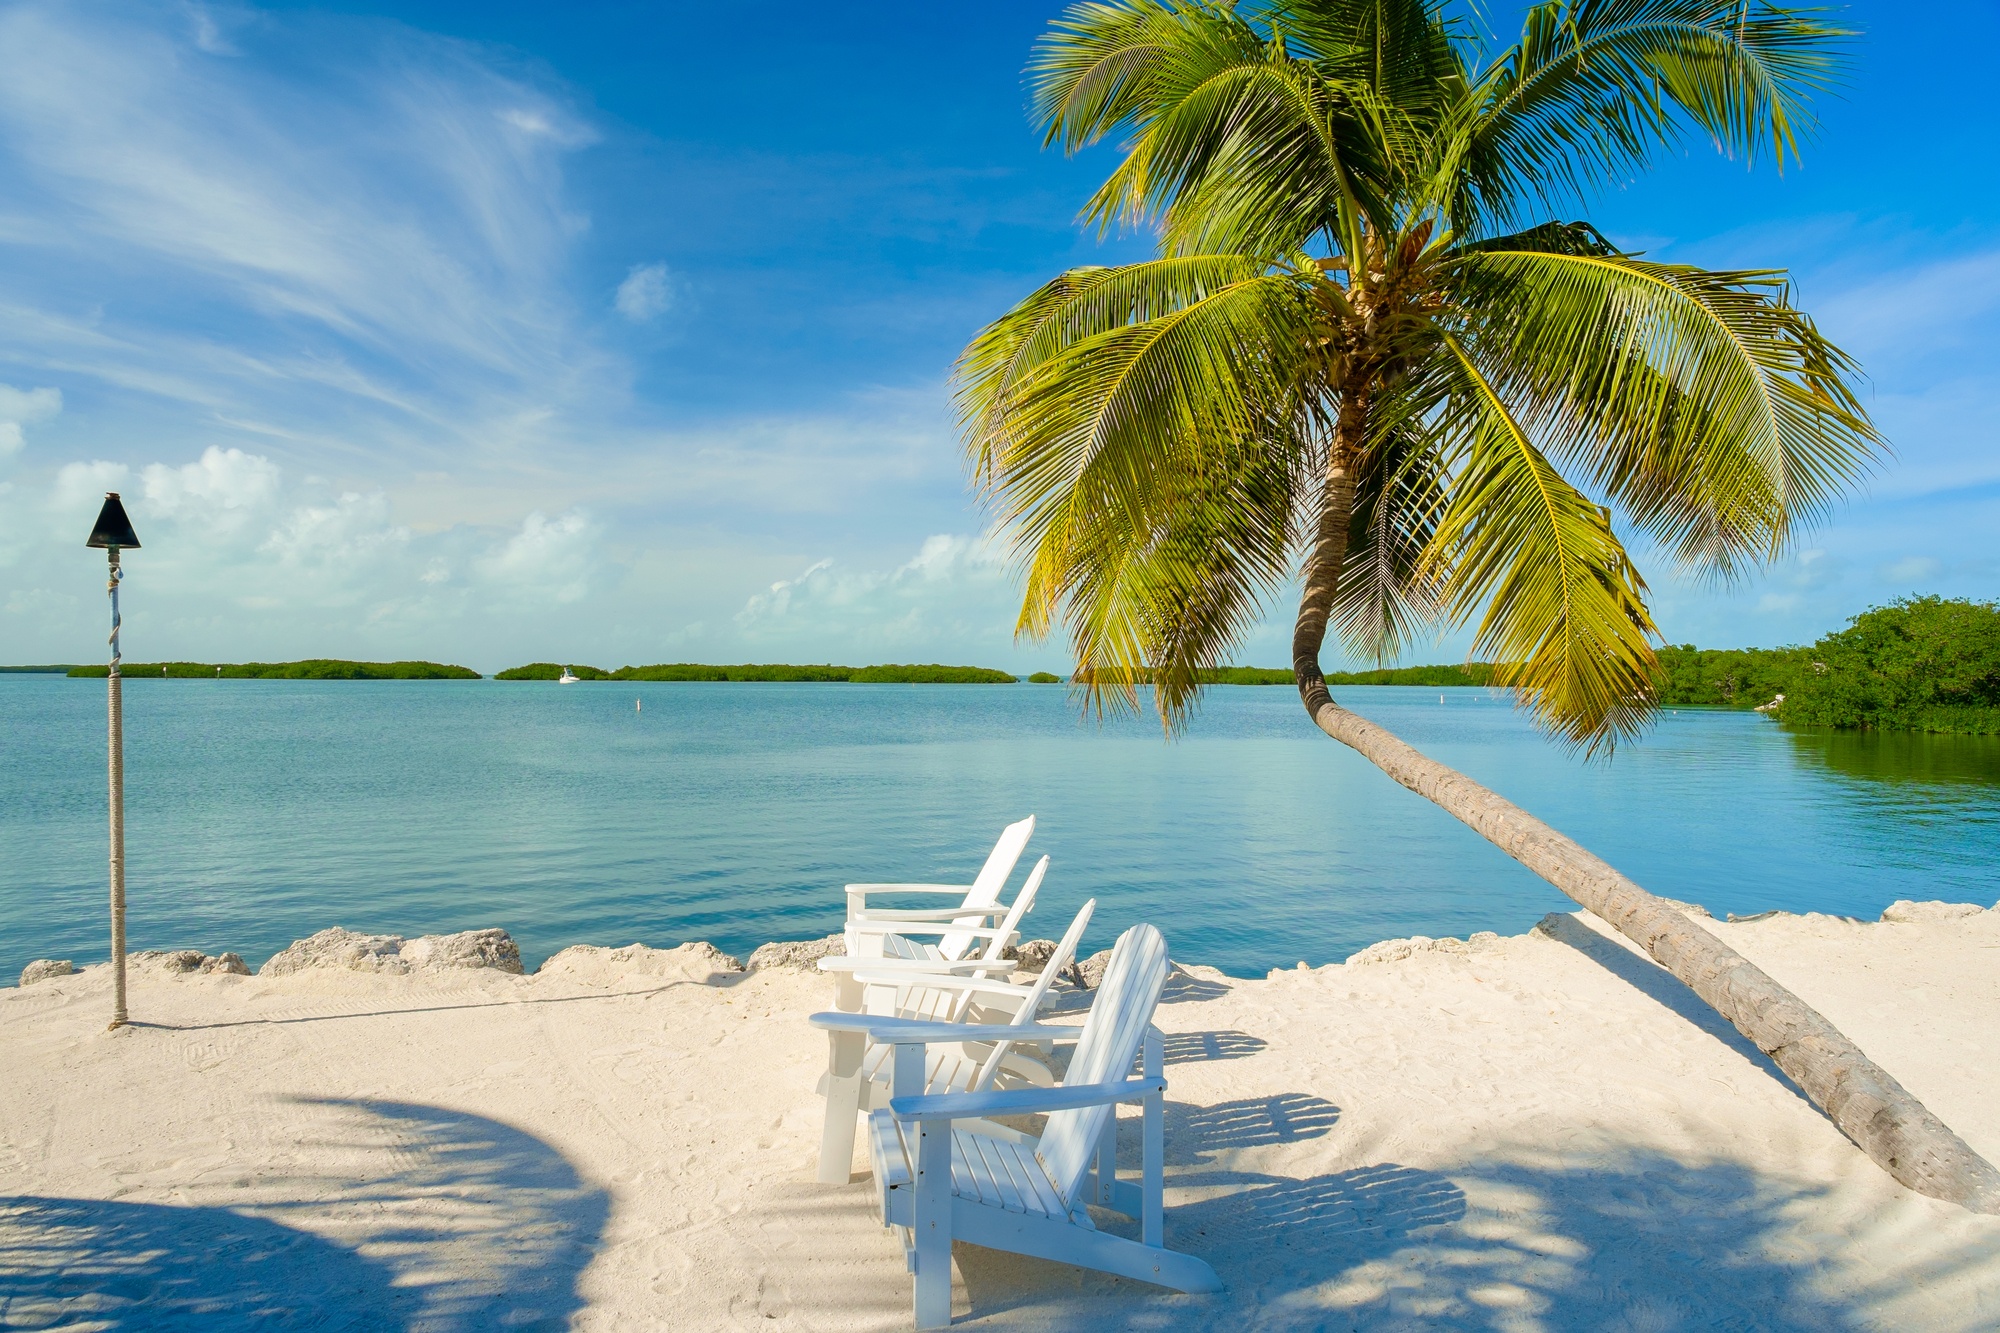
{"points": [[113, 528]]}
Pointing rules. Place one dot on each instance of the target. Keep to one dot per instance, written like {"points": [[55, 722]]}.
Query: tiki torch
{"points": [[114, 532]]}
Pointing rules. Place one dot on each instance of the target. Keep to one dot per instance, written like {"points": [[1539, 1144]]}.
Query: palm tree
{"points": [[1365, 358]]}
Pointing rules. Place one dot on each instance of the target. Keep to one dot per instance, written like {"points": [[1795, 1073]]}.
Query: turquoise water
{"points": [[260, 811]]}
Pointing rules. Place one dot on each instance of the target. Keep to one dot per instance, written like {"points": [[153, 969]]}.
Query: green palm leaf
{"points": [[1706, 403], [1563, 610]]}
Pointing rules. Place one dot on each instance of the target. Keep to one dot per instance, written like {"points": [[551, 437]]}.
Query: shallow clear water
{"points": [[260, 811]]}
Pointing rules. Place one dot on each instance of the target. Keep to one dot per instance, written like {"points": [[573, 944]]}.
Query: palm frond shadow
{"points": [[1364, 1208], [116, 1265], [435, 1219], [1640, 1241]]}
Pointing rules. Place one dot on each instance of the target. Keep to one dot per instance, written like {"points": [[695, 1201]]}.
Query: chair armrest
{"points": [[866, 926], [916, 967], [913, 1031], [890, 916], [909, 888], [977, 985], [1021, 1101]]}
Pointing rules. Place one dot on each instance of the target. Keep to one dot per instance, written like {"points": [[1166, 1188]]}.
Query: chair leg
{"points": [[1152, 1187], [843, 1103], [933, 1224], [1107, 1162], [1153, 1154], [847, 993]]}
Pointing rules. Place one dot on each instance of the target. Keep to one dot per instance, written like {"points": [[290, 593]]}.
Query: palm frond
{"points": [[1165, 601], [1562, 609], [1101, 390], [1705, 403], [1594, 87], [1136, 429], [1235, 145], [1387, 590]]}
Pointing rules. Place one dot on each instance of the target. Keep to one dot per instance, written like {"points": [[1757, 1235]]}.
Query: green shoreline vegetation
{"points": [[316, 668], [1919, 664], [890, 674], [1471, 673]]}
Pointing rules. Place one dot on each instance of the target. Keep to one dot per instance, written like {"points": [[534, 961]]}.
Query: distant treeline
{"points": [[930, 674], [1920, 664], [1472, 673], [52, 670], [317, 668]]}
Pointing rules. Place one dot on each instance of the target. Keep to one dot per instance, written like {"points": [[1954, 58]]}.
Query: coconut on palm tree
{"points": [[1370, 357]]}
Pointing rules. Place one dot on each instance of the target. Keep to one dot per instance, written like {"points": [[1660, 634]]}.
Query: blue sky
{"points": [[619, 332]]}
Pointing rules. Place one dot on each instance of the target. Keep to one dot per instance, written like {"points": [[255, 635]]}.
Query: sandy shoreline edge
{"points": [[494, 947], [1529, 1131]]}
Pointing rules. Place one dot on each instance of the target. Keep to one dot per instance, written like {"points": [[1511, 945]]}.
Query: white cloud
{"points": [[80, 487], [224, 488], [208, 34], [1911, 569], [548, 560], [953, 596], [29, 601], [646, 293], [23, 407], [777, 601], [1916, 311], [378, 236]]}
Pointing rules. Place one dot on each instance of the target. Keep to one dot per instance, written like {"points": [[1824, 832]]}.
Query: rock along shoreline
{"points": [[494, 949]]}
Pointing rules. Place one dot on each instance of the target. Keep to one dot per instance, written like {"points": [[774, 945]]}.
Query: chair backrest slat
{"points": [[901, 946], [1023, 902], [1065, 950], [986, 888], [1110, 1042]]}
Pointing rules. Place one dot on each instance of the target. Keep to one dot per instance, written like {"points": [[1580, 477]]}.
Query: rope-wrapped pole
{"points": [[117, 758]]}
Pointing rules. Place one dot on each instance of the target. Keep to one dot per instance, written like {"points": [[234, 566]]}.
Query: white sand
{"points": [[1545, 1132]]}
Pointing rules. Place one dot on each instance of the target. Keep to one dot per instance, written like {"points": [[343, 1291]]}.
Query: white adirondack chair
{"points": [[897, 955], [858, 1077], [940, 1182], [978, 899]]}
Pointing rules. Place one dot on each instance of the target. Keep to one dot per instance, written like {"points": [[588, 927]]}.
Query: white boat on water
{"points": [[566, 678]]}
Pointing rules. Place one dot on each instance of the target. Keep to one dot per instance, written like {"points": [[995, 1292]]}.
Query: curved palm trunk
{"points": [[1868, 1105]]}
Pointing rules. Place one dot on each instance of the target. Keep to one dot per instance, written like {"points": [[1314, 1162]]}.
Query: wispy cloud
{"points": [[384, 222], [646, 293], [23, 407], [955, 593]]}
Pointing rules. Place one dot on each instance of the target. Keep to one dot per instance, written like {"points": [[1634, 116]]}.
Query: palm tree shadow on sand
{"points": [[1639, 1242], [438, 1222]]}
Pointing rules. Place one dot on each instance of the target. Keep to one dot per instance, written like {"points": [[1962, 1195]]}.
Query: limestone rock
{"points": [[44, 968], [187, 962], [338, 948], [1907, 911], [1090, 972], [1393, 951], [346, 949], [594, 965], [1034, 955], [492, 947], [797, 955]]}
